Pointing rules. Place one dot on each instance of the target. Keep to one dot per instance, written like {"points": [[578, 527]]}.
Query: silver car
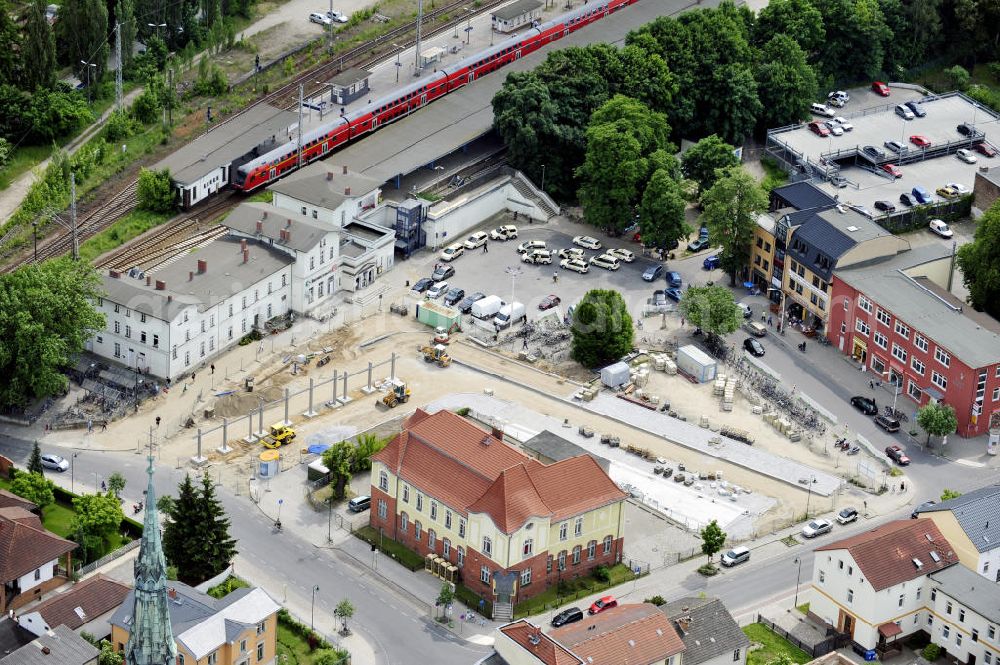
{"points": [[55, 462], [817, 528]]}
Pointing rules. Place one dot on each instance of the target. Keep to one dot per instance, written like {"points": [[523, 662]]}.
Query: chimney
{"points": [[172, 592], [148, 280], [347, 191], [46, 651], [345, 169], [202, 266], [260, 226], [160, 285], [243, 245], [246, 255], [288, 235], [170, 298], [288, 222], [190, 275], [329, 176], [263, 215], [114, 273]]}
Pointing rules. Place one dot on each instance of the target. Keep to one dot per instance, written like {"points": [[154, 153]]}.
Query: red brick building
{"points": [[510, 525]]}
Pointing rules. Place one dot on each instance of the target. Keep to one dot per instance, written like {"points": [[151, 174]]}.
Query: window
{"points": [[902, 597], [591, 550], [576, 554], [975, 635], [920, 343], [416, 529], [420, 501], [917, 366], [431, 538], [118, 327], [383, 481], [562, 560], [987, 657], [38, 574], [933, 594], [180, 656], [406, 493], [562, 531], [736, 655], [942, 357], [948, 607], [578, 527], [902, 330], [529, 547], [526, 577], [260, 652], [865, 304], [898, 352], [118, 350], [446, 548], [461, 557], [996, 394], [487, 546], [992, 632], [822, 577], [383, 509], [881, 340], [850, 570], [607, 544], [958, 638], [919, 589], [840, 564], [461, 528], [930, 619], [484, 575], [243, 646], [861, 327], [850, 595], [156, 341], [882, 316], [961, 614], [404, 522], [939, 380], [213, 658], [447, 519], [434, 510], [261, 627]]}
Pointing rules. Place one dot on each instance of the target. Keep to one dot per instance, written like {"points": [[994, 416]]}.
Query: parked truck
{"points": [[486, 308]]}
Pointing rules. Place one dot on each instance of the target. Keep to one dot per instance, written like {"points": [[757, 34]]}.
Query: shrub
{"points": [[120, 126], [464, 411], [602, 574], [958, 77], [656, 600], [708, 570], [156, 193], [931, 652]]}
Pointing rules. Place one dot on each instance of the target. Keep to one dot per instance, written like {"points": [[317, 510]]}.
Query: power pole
{"points": [[119, 93], [416, 47], [72, 215], [330, 16], [170, 95], [300, 127]]}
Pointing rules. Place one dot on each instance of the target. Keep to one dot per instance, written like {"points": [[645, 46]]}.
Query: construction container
{"points": [[269, 464], [615, 375], [695, 363], [435, 315]]}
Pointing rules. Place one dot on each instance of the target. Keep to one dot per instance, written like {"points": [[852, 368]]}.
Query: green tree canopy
{"points": [[108, 655], [34, 487], [156, 193], [338, 459], [731, 209], [39, 49], [366, 445], [661, 213], [97, 515], [937, 419], [196, 536], [799, 19], [711, 308], [116, 483], [786, 82], [35, 461], [48, 317], [702, 161], [179, 530], [856, 38], [980, 264], [602, 328], [712, 539], [344, 611], [82, 30], [10, 37], [948, 494], [125, 19]]}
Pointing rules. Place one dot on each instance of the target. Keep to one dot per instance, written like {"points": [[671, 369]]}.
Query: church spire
{"points": [[151, 639]]}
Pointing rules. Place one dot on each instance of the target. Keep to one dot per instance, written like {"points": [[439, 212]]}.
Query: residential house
{"points": [[29, 558], [86, 606], [524, 643], [635, 634], [509, 525], [238, 629], [873, 586], [58, 646], [11, 500], [710, 634], [964, 615], [971, 523]]}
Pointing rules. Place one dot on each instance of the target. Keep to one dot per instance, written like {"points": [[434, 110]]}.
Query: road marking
{"points": [[968, 462]]}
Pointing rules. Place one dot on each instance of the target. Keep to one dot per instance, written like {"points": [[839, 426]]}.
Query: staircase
{"points": [[544, 203], [503, 611]]}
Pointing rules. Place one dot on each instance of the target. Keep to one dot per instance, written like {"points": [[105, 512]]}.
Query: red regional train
{"points": [[403, 101]]}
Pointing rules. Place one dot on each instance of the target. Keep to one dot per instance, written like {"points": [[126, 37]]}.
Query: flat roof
{"points": [[302, 233], [218, 147], [466, 114], [515, 9], [970, 589], [972, 337], [325, 184], [350, 76]]}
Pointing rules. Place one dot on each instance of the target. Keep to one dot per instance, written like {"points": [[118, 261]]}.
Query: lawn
{"points": [[23, 160], [772, 646], [293, 645], [131, 225], [399, 552], [571, 589], [58, 519]]}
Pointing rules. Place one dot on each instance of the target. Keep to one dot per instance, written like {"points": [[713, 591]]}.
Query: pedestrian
{"points": [[213, 368], [871, 384], [515, 215], [90, 426], [524, 344], [157, 421], [769, 319], [902, 486], [185, 389], [762, 317], [104, 427], [486, 248], [192, 377], [682, 322], [524, 319], [496, 336]]}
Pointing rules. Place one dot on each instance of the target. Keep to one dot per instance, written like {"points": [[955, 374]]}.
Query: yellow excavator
{"points": [[436, 354], [398, 393]]}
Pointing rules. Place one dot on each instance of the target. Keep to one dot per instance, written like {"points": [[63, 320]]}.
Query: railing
{"points": [[821, 648], [111, 556]]}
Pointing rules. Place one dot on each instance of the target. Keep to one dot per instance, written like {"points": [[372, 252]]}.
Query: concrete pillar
{"points": [[392, 366], [310, 413], [260, 419], [344, 399], [250, 438], [199, 459], [368, 390], [224, 449], [287, 398]]}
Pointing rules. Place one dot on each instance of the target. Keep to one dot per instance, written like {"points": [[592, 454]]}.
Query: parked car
{"points": [[674, 279], [576, 265], [907, 199], [569, 615], [698, 245], [659, 298], [890, 425], [438, 290], [939, 227], [817, 528], [865, 405], [958, 187], [838, 181], [896, 147], [836, 102], [711, 262], [841, 95], [673, 293], [622, 254], [917, 108], [922, 507], [821, 109], [452, 252], [466, 305], [422, 284], [549, 301], [537, 257], [477, 239], [965, 129], [885, 206], [896, 454], [920, 141], [337, 17], [753, 347], [454, 296], [442, 272], [921, 194], [601, 604], [947, 192], [985, 149], [872, 152], [966, 155], [572, 253], [606, 261], [844, 124], [587, 242], [506, 232], [529, 245], [653, 272], [904, 112], [321, 19], [359, 504], [834, 128], [746, 311], [893, 170], [735, 556], [847, 515], [880, 88], [55, 462]]}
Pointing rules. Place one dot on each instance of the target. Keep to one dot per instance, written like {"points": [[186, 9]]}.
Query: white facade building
{"points": [[963, 616], [971, 523]]}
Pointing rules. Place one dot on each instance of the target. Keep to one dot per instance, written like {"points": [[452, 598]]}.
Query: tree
{"points": [[108, 655], [125, 19], [10, 37], [948, 494], [736, 119], [165, 504], [980, 264], [39, 49], [48, 317], [661, 212], [218, 548], [116, 484], [711, 308], [344, 611], [731, 209], [338, 458], [179, 528], [156, 192], [958, 77], [366, 445], [34, 487], [712, 539], [98, 517], [702, 161], [602, 328], [196, 536], [55, 113], [35, 461], [937, 419], [856, 38], [799, 19], [786, 82], [445, 598], [82, 35]]}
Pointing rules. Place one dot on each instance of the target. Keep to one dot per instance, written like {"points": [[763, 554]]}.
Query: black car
{"points": [[571, 615], [753, 347], [873, 152], [907, 199], [965, 130], [918, 109], [442, 272], [466, 305], [890, 425], [896, 147], [423, 284], [885, 206], [453, 296], [865, 405]]}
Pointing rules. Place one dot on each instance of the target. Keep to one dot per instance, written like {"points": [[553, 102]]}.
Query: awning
{"points": [[889, 630]]}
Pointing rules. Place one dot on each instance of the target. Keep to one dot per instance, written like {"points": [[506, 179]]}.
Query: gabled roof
{"points": [[637, 634], [239, 610], [801, 196], [897, 552], [542, 647], [62, 645], [25, 545], [325, 185], [978, 513], [976, 592], [706, 627], [187, 607], [452, 460], [90, 598], [301, 233], [11, 500]]}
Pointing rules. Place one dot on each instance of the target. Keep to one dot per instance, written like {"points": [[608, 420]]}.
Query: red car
{"points": [[920, 141], [892, 170], [819, 128], [605, 603], [549, 301], [880, 88], [984, 150]]}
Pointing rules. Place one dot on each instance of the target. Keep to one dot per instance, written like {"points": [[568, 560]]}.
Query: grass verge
{"points": [[772, 646], [23, 160], [131, 225], [397, 551], [804, 608], [569, 590]]}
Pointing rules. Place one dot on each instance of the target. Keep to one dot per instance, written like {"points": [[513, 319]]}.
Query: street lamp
{"points": [[72, 469], [514, 272], [156, 27], [97, 484], [798, 575], [468, 29], [399, 51], [88, 66], [781, 313], [312, 609], [809, 490]]}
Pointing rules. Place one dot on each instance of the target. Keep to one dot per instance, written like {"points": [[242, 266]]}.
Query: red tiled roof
{"points": [[94, 596], [449, 458], [11, 500], [890, 629], [886, 554], [547, 650], [25, 545], [637, 634]]}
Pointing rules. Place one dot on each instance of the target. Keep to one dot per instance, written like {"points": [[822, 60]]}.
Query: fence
{"points": [[832, 642], [111, 556]]}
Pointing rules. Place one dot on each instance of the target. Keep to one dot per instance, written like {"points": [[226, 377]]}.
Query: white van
{"points": [[508, 314], [606, 261], [486, 308], [735, 556]]}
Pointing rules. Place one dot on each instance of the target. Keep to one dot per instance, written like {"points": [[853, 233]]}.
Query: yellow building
{"points": [[971, 523], [238, 629]]}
